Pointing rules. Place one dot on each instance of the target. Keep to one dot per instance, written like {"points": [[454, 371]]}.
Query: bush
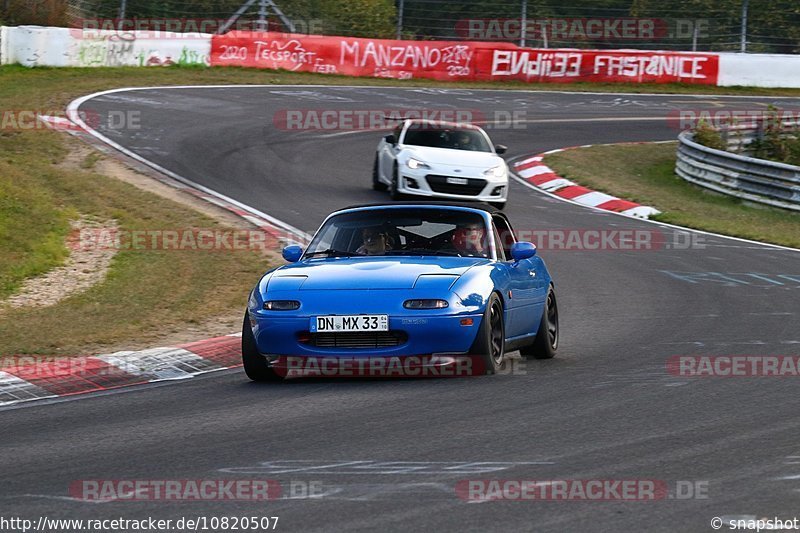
{"points": [[708, 136], [352, 18], [777, 142], [41, 13]]}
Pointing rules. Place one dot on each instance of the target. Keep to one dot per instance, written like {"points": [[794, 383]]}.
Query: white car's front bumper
{"points": [[439, 183]]}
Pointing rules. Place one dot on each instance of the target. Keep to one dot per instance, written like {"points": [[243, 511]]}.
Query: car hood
{"points": [[458, 158], [373, 273]]}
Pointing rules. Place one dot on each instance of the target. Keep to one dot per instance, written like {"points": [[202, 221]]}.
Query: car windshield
{"points": [[447, 137], [400, 231]]}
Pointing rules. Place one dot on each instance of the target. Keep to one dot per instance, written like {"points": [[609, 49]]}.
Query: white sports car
{"points": [[443, 160]]}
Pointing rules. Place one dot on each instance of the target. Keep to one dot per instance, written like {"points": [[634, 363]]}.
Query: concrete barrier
{"points": [[759, 70], [34, 46]]}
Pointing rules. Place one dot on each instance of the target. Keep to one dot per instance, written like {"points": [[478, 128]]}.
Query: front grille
{"points": [[358, 339], [473, 187]]}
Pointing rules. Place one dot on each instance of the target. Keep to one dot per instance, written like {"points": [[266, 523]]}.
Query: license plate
{"points": [[321, 324], [457, 181]]}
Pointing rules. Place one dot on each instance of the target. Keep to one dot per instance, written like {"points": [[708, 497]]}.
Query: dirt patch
{"points": [[87, 155], [85, 267]]}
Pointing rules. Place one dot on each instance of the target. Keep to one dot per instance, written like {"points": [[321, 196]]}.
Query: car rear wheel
{"points": [[489, 345], [377, 184], [255, 364], [546, 342], [498, 205]]}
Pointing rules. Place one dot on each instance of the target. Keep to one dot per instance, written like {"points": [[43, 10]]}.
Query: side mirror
{"points": [[523, 250], [390, 139], [293, 253], [500, 149]]}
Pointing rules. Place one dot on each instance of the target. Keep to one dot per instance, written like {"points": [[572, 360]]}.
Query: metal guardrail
{"points": [[752, 179]]}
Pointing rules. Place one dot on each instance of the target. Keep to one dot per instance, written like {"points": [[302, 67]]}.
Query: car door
{"points": [[526, 282]]}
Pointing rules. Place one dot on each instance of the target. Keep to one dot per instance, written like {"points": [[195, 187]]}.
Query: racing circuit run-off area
{"points": [[390, 265]]}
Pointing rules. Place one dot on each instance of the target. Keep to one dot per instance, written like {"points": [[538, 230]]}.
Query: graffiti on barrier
{"points": [[123, 49]]}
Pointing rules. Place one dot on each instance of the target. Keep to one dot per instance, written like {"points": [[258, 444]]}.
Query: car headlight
{"points": [[281, 305], [416, 163], [425, 304], [495, 172]]}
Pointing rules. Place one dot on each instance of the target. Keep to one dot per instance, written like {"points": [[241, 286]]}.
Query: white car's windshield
{"points": [[400, 231], [446, 137]]}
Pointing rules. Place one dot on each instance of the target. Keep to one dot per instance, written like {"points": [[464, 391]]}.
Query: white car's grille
{"points": [[472, 187]]}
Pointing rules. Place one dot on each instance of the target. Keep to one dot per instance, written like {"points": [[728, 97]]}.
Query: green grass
{"points": [[33, 223], [645, 173]]}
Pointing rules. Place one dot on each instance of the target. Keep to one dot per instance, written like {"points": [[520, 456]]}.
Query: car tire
{"points": [[393, 192], [489, 344], [498, 205], [377, 184], [255, 364], [545, 344]]}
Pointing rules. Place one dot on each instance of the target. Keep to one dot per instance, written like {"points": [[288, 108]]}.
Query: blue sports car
{"points": [[402, 289]]}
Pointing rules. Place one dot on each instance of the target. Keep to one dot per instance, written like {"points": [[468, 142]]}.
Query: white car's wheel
{"points": [[395, 194], [377, 184]]}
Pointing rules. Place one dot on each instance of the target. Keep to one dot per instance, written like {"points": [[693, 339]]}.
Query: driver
{"points": [[375, 241], [470, 239], [464, 141]]}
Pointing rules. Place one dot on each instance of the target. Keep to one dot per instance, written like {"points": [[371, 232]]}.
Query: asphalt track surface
{"points": [[605, 408]]}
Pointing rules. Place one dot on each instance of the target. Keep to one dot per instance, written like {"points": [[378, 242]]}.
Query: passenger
{"points": [[375, 242]]}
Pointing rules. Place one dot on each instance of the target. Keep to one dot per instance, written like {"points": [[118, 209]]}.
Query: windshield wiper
{"points": [[330, 252]]}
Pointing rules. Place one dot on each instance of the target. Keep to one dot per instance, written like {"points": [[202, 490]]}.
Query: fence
{"points": [[757, 26]]}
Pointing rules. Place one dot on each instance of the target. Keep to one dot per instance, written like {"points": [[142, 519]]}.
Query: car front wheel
{"points": [[255, 364], [377, 184], [395, 194], [489, 345]]}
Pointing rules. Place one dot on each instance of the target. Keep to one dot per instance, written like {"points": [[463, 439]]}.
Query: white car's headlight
{"points": [[495, 172], [416, 163]]}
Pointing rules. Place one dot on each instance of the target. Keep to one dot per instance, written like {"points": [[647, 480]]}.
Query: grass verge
{"points": [[147, 296], [644, 173]]}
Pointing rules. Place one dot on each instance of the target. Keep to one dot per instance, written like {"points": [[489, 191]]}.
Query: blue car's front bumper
{"points": [[417, 334]]}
